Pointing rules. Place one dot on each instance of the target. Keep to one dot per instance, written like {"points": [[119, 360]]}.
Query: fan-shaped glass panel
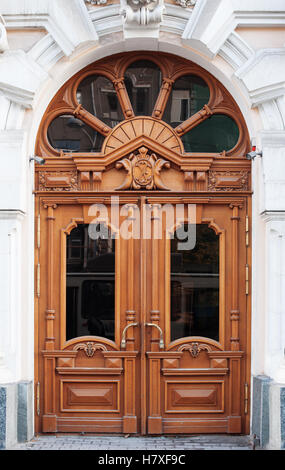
{"points": [[143, 81], [217, 133], [70, 134], [98, 96], [188, 96]]}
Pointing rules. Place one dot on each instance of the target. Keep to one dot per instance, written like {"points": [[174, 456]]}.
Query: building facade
{"points": [[126, 58]]}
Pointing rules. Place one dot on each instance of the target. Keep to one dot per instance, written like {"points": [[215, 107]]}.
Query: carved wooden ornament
{"points": [[90, 347], [195, 348], [143, 170]]}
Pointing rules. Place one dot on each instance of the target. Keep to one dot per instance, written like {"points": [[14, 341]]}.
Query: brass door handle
{"points": [[161, 342], [123, 341]]}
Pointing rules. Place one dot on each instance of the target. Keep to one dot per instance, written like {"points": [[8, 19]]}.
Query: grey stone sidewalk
{"points": [[171, 443]]}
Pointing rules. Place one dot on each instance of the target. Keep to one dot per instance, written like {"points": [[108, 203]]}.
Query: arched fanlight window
{"points": [[162, 87]]}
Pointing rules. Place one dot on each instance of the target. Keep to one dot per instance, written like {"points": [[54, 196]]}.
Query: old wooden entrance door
{"points": [[195, 280], [142, 253]]}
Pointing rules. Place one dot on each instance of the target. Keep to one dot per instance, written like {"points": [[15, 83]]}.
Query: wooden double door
{"points": [[143, 323]]}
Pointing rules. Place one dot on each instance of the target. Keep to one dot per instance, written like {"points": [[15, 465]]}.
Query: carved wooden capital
{"points": [[49, 204]]}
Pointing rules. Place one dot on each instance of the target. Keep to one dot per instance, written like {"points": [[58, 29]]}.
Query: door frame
{"points": [[223, 176], [50, 203]]}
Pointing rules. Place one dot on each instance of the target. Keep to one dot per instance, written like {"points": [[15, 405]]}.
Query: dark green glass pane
{"points": [[195, 287], [188, 96], [215, 134], [70, 134], [90, 283], [98, 96], [143, 81]]}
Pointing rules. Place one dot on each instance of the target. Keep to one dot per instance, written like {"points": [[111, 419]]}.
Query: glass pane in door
{"points": [[90, 283], [195, 286]]}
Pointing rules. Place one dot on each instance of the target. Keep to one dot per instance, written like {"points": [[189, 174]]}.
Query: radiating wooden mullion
{"points": [[194, 120], [123, 98], [92, 120], [162, 98]]}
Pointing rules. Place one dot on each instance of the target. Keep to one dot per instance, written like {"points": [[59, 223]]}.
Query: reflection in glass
{"points": [[217, 133], [97, 95], [90, 284], [70, 134], [143, 81], [195, 287], [188, 96]]}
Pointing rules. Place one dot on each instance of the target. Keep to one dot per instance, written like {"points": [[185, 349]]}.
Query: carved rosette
{"points": [[195, 348], [143, 170], [90, 347]]}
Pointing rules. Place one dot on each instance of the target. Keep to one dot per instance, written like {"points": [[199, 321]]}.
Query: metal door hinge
{"points": [[38, 279], [246, 279], [39, 231], [245, 399], [38, 399], [246, 231]]}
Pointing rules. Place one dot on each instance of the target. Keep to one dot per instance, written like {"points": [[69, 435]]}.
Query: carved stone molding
{"points": [[195, 348], [96, 2], [90, 347], [148, 14], [143, 170], [186, 3], [3, 36]]}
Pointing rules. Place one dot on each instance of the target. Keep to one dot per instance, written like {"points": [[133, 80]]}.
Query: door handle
{"points": [[161, 342], [123, 342]]}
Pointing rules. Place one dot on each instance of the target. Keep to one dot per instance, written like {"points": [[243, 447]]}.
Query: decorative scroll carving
{"points": [[58, 181], [195, 348], [96, 2], [186, 3], [90, 347], [143, 170], [228, 181], [3, 36], [147, 14]]}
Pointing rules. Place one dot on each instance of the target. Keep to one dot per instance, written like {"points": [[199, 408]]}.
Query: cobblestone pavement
{"points": [[101, 443]]}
